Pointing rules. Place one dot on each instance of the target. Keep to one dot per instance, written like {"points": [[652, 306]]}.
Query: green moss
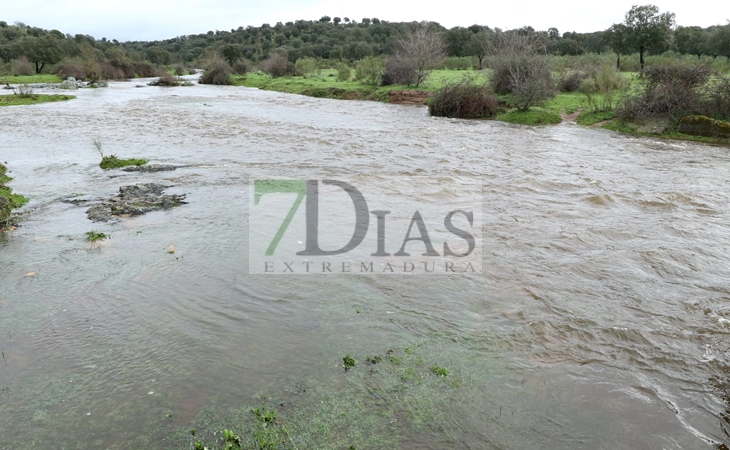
{"points": [[14, 100], [533, 116], [113, 162]]}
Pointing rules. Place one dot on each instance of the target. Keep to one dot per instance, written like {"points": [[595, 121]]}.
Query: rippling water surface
{"points": [[601, 318]]}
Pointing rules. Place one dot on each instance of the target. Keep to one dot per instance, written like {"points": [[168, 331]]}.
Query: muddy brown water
{"points": [[601, 318]]}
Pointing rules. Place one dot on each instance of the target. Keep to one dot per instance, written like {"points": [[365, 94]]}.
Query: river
{"points": [[600, 318]]}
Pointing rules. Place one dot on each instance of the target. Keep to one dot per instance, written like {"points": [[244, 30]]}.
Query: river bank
{"points": [[554, 111], [8, 200]]}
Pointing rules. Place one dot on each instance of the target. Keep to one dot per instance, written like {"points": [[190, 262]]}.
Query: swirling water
{"points": [[601, 318]]}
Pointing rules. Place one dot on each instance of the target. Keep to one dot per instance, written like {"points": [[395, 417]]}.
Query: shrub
{"points": [[166, 80], [369, 70], [22, 66], [718, 93], [242, 66], [521, 66], [668, 91], [466, 99], [143, 69], [343, 71], [308, 67], [218, 72], [70, 69], [604, 88], [277, 65], [398, 71], [109, 72], [180, 70], [571, 81]]}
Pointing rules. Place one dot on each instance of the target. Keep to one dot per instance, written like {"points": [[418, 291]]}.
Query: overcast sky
{"points": [[126, 20]]}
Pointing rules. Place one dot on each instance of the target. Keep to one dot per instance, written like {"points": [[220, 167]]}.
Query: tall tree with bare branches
{"points": [[422, 50]]}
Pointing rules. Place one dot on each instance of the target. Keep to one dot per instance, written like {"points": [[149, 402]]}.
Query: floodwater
{"points": [[601, 318]]}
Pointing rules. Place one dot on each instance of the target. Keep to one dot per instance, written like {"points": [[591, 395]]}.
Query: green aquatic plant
{"points": [[440, 371], [95, 236], [348, 362]]}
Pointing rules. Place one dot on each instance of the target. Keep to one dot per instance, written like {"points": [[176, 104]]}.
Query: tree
{"points": [[422, 49], [231, 52], [648, 30], [157, 55], [41, 50], [617, 39], [690, 40], [521, 66], [719, 41]]}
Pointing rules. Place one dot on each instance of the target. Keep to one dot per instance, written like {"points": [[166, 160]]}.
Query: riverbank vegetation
{"points": [[535, 75], [8, 199], [23, 95]]}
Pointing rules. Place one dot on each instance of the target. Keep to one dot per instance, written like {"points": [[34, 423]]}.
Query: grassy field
{"points": [[30, 79], [15, 100]]}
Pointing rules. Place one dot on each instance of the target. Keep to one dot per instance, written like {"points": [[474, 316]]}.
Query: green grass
{"points": [[533, 116], [627, 128], [588, 117], [15, 100], [28, 79], [113, 162]]}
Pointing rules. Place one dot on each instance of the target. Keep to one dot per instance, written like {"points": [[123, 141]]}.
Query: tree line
{"points": [[644, 31]]}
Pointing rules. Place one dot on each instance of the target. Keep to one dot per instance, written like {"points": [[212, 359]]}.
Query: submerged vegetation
{"points": [[377, 405]]}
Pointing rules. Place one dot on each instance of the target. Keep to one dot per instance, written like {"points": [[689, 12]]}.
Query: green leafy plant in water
{"points": [[113, 162], [95, 236], [232, 440], [440, 371], [348, 362]]}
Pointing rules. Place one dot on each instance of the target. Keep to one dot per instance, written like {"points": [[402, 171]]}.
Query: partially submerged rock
{"points": [[150, 168], [134, 200], [704, 126]]}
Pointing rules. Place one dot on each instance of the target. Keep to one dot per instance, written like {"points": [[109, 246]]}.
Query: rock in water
{"points": [[134, 200]]}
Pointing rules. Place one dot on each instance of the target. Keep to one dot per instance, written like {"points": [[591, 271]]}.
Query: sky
{"points": [[138, 20]]}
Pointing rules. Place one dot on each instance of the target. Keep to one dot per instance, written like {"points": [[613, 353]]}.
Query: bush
{"points": [[242, 66], [22, 66], [218, 72], [521, 66], [308, 67], [143, 70], [718, 93], [277, 65], [180, 70], [398, 71], [466, 99], [343, 71], [604, 88], [70, 69], [109, 72], [571, 81], [369, 70], [166, 80], [668, 91]]}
